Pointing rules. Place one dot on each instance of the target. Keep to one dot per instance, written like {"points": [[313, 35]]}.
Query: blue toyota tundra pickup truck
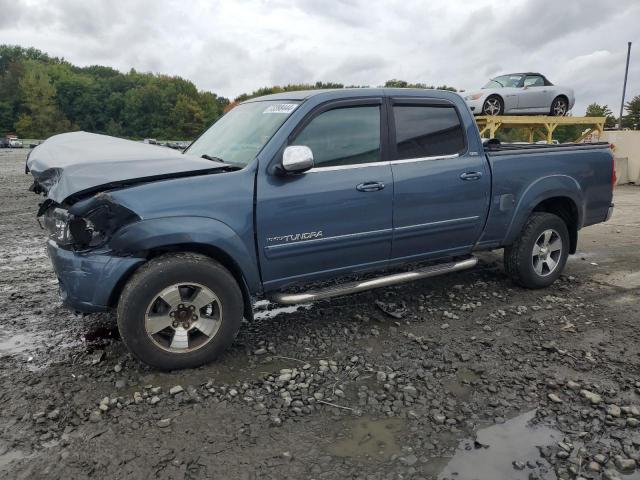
{"points": [[293, 189]]}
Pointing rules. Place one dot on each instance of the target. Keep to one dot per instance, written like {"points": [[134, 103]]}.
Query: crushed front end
{"points": [[88, 271]]}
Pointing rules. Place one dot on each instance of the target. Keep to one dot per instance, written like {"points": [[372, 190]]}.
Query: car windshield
{"points": [[504, 81], [239, 135]]}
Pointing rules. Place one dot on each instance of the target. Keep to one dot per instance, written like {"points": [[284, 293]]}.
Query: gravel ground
{"points": [[459, 377]]}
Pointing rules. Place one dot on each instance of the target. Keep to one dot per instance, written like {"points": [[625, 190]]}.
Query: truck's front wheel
{"points": [[536, 259], [179, 311]]}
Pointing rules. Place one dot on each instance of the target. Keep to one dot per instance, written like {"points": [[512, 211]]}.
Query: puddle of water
{"points": [[366, 437], [514, 440], [18, 343], [623, 279], [461, 385], [627, 299], [230, 369]]}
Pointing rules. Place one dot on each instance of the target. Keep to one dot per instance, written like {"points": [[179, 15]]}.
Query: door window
{"points": [[343, 136], [427, 131], [533, 81]]}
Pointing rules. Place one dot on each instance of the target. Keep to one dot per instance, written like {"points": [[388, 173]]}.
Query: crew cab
{"points": [[289, 190]]}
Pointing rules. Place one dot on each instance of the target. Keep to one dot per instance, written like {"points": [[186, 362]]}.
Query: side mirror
{"points": [[297, 159]]}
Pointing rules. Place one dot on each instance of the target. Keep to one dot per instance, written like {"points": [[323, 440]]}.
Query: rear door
{"points": [[441, 189], [336, 217]]}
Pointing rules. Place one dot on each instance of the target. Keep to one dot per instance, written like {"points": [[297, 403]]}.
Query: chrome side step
{"points": [[360, 286]]}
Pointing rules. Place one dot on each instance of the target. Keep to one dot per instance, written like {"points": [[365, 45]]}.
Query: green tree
{"points": [[595, 110], [287, 88], [41, 117], [10, 98], [42, 95], [632, 119], [187, 117], [395, 83]]}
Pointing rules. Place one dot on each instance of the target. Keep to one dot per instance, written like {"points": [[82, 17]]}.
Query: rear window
{"points": [[427, 131]]}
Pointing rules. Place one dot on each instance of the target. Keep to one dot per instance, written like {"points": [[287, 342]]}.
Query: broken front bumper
{"points": [[87, 280]]}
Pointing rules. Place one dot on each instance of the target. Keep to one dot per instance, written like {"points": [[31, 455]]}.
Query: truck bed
{"points": [[578, 174]]}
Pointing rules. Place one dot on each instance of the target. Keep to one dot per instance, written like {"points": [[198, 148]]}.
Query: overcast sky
{"points": [[236, 46]]}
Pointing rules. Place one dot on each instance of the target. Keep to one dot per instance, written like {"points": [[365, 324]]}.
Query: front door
{"points": [[441, 188], [335, 218], [533, 94]]}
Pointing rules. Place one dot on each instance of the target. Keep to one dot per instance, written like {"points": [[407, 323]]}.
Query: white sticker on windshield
{"points": [[281, 108]]}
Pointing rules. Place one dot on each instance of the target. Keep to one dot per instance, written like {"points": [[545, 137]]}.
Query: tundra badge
{"points": [[296, 237]]}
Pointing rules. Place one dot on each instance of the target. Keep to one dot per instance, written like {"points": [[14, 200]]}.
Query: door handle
{"points": [[469, 176], [370, 186]]}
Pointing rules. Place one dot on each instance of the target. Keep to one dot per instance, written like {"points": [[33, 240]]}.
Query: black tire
{"points": [[519, 258], [162, 273], [491, 103], [559, 107]]}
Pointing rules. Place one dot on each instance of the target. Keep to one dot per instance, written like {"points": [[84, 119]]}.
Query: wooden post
{"points": [[550, 128], [588, 132]]}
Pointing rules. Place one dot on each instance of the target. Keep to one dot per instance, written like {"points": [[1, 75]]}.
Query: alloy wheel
{"points": [[492, 106], [560, 108], [183, 317], [547, 251]]}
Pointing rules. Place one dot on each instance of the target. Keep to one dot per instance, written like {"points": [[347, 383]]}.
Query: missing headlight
{"points": [[68, 230], [86, 224], [84, 233]]}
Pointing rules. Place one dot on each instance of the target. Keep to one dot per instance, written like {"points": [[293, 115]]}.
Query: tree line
{"points": [[42, 95]]}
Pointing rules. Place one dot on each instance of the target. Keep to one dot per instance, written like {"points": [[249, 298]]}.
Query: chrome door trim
{"points": [[441, 222], [424, 159], [379, 164], [347, 167]]}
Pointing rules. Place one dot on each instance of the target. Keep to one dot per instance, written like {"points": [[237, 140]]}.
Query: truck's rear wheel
{"points": [[179, 311], [536, 259]]}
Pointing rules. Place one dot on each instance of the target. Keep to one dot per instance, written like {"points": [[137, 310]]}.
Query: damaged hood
{"points": [[78, 162]]}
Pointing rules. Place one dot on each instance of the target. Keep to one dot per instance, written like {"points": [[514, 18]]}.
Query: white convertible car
{"points": [[520, 94]]}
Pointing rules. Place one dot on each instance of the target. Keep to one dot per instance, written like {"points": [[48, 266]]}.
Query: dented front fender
{"points": [[160, 233]]}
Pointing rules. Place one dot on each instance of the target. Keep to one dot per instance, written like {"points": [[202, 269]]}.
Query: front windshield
{"points": [[239, 135], [504, 81]]}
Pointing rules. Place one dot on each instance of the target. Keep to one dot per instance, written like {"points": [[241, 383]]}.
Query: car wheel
{"points": [[493, 106], [559, 107], [536, 259], [180, 311]]}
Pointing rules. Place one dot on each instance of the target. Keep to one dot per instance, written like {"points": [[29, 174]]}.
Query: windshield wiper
{"points": [[227, 166], [213, 159]]}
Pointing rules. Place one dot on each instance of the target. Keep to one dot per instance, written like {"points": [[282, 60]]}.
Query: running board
{"points": [[355, 287]]}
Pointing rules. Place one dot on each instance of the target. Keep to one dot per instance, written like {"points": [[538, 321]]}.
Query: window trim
{"points": [[346, 103], [394, 157]]}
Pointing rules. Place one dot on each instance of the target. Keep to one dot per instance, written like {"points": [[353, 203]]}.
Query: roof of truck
{"points": [[336, 93]]}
